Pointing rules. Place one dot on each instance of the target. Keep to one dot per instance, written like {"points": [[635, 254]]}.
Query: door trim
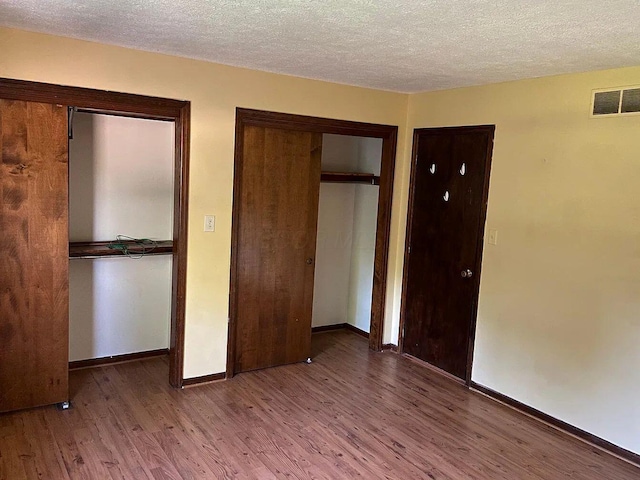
{"points": [[489, 129], [389, 136], [139, 106]]}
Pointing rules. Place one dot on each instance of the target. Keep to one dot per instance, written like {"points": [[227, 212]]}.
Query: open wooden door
{"points": [[34, 257], [449, 189], [276, 220]]}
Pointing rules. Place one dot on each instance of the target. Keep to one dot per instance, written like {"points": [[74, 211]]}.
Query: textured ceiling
{"points": [[400, 45]]}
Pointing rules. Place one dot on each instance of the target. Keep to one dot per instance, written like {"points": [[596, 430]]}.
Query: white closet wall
{"points": [[346, 234], [120, 182], [333, 254]]}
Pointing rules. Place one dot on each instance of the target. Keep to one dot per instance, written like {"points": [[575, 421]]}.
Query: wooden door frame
{"points": [[490, 129], [389, 136], [152, 108]]}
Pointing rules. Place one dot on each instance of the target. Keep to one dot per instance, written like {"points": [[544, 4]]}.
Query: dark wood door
{"points": [[276, 244], [34, 305], [446, 226]]}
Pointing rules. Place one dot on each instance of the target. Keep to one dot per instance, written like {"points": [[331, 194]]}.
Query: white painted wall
{"points": [[365, 219], [119, 306], [120, 178], [333, 254], [339, 153], [120, 182], [346, 234], [362, 256]]}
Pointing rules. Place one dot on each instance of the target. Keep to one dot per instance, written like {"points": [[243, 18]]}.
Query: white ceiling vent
{"points": [[619, 101]]}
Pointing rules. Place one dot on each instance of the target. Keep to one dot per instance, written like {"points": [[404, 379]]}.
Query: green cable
{"points": [[125, 243]]}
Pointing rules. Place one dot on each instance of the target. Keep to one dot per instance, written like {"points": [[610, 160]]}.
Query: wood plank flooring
{"points": [[350, 414]]}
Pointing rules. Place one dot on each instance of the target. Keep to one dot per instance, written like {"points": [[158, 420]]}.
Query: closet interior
{"points": [[346, 233], [121, 207]]}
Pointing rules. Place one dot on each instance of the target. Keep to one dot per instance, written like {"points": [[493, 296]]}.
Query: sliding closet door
{"points": [[33, 255], [277, 221]]}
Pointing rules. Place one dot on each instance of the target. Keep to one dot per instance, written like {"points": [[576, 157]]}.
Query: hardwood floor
{"points": [[350, 414]]}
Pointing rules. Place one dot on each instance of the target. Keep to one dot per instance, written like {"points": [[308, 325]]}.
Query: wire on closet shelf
{"points": [[133, 247]]}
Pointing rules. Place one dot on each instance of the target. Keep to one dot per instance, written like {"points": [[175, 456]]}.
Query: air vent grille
{"points": [[630, 101], [619, 101]]}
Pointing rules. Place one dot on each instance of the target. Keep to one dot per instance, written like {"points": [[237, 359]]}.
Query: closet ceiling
{"points": [[399, 45]]}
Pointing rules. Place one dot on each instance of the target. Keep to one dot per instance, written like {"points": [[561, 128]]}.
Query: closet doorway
{"points": [[346, 233], [120, 236], [39, 236], [275, 219]]}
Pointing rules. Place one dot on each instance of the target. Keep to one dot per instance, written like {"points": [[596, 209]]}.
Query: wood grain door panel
{"points": [[278, 214], [34, 287], [445, 238]]}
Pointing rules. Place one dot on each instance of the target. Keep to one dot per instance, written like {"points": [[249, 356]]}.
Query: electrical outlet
{"points": [[209, 223], [493, 237]]}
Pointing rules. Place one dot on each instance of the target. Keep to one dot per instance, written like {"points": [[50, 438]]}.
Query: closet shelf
{"points": [[101, 249], [348, 177]]}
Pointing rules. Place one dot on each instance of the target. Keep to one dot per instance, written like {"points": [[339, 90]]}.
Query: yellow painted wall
{"points": [[215, 91], [559, 311]]}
